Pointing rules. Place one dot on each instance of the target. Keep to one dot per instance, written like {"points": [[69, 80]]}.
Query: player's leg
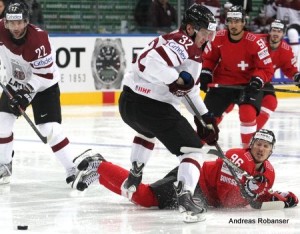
{"points": [[180, 139], [249, 107], [111, 176], [47, 115], [7, 121], [268, 106], [135, 110]]}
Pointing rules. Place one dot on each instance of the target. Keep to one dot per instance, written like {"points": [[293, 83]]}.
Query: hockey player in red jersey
{"points": [[33, 79], [282, 58], [236, 57], [216, 184], [165, 71]]}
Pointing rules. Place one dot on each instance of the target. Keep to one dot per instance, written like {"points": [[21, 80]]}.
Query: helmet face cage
{"points": [[17, 10], [200, 17], [236, 12], [265, 135], [278, 24]]}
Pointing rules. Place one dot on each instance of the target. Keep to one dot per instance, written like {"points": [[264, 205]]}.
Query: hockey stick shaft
{"points": [[212, 85], [253, 204], [228, 162], [10, 96]]}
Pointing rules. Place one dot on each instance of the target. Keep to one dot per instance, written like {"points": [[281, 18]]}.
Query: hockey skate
{"points": [[5, 173], [88, 162], [134, 178], [84, 179], [191, 211], [87, 165]]}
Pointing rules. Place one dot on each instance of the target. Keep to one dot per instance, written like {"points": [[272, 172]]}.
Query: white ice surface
{"points": [[39, 197]]}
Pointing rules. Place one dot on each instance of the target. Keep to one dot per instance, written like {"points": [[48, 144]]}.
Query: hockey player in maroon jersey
{"points": [[33, 79], [236, 57], [165, 71], [216, 184]]}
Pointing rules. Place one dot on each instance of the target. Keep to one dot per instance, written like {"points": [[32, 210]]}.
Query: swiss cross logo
{"points": [[243, 65]]}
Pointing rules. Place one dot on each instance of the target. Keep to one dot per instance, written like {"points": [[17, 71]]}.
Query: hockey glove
{"points": [[205, 79], [256, 187], [297, 79], [210, 133], [289, 199], [21, 98], [183, 85], [255, 84]]}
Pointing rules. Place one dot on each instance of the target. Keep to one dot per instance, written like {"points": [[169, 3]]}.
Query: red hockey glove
{"points": [[183, 85], [297, 79], [21, 98], [256, 186], [205, 79], [289, 198], [209, 134]]}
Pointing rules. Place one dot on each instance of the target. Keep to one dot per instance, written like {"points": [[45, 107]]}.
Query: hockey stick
{"points": [[284, 83], [9, 95], [230, 163], [212, 85], [253, 204]]}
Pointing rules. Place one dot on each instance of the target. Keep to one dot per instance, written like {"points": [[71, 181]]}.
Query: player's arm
{"points": [[211, 57], [289, 67], [264, 68], [42, 64], [262, 183]]}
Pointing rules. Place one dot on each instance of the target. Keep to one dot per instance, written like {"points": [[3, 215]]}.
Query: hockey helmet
{"points": [[17, 10], [264, 134], [279, 24], [236, 12], [200, 17]]}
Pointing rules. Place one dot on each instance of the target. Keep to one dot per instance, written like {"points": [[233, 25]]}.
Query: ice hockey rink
{"points": [[39, 198]]}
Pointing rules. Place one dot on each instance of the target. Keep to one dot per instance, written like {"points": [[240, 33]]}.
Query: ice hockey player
{"points": [[216, 186]]}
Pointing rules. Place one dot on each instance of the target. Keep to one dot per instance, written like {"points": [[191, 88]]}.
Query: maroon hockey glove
{"points": [[297, 79], [179, 89], [289, 198], [209, 134], [21, 98], [205, 79]]}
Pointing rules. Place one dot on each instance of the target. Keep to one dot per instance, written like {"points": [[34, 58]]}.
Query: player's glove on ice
{"points": [[289, 198], [256, 186], [21, 98], [183, 85], [297, 79], [205, 79], [210, 133]]}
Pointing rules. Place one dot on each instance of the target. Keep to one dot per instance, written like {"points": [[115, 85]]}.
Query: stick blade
{"points": [[272, 205]]}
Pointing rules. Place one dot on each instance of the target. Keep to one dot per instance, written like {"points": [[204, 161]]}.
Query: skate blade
{"points": [[77, 178], [189, 217], [82, 156]]}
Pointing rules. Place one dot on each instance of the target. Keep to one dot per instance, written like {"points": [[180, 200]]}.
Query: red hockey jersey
{"points": [[236, 62], [219, 185], [283, 58]]}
